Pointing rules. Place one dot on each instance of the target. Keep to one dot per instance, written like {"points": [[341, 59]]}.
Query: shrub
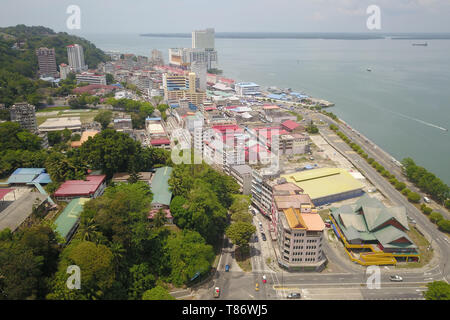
{"points": [[370, 160], [414, 197], [435, 217], [447, 203], [425, 209], [405, 191], [393, 180], [400, 185], [444, 225]]}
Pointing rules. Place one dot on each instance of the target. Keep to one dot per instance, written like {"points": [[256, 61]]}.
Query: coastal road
{"points": [[381, 156], [439, 240]]}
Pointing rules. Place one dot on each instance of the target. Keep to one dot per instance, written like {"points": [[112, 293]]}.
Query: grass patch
{"points": [[242, 256], [324, 214], [425, 255], [48, 109]]}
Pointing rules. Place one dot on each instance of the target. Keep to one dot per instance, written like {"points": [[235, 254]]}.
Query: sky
{"points": [[183, 16]]}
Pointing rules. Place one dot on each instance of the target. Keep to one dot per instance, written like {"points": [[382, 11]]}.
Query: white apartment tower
{"points": [[75, 54], [203, 39]]}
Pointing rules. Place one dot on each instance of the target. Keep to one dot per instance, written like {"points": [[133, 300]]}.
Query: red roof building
{"points": [[291, 126], [158, 142], [92, 187]]}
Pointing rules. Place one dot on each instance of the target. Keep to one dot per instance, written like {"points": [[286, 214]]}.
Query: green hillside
{"points": [[19, 66]]}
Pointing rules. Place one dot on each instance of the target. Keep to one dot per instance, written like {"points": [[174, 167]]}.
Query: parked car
{"points": [[294, 295], [426, 199], [264, 279], [256, 239], [263, 236], [227, 268], [257, 287], [396, 278], [216, 292]]}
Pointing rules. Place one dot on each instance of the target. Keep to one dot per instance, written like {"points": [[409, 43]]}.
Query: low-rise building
{"points": [[92, 187], [68, 220], [247, 88], [91, 78], [123, 177], [160, 188], [57, 124]]}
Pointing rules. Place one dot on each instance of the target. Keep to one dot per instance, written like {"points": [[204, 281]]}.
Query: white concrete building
{"points": [[247, 88], [203, 39], [91, 78], [75, 54]]}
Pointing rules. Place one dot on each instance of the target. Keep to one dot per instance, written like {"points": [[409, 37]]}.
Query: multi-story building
{"points": [[203, 39], [24, 114], [199, 68], [183, 57], [262, 189], [75, 54], [157, 58], [299, 229], [243, 175], [47, 62], [64, 71], [247, 88], [91, 78], [178, 87]]}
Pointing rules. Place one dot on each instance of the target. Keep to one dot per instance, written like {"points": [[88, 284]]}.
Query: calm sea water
{"points": [[400, 105]]}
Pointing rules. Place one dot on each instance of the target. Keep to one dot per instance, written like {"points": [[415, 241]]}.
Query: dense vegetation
{"points": [[426, 181], [438, 290], [19, 66]]}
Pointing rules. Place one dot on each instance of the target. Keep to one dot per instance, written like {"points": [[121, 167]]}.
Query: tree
{"points": [[240, 233], [312, 129], [400, 185], [109, 78], [447, 203], [96, 264], [414, 197], [187, 254], [444, 225], [104, 118], [425, 209], [435, 217], [157, 293], [20, 270], [437, 290], [142, 280]]}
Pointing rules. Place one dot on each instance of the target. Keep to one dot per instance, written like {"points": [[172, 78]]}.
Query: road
{"points": [[351, 283], [440, 240]]}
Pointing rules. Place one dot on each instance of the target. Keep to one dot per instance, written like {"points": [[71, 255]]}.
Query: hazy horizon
{"points": [[144, 16]]}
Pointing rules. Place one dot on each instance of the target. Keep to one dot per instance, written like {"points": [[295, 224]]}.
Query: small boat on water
{"points": [[369, 69], [420, 44]]}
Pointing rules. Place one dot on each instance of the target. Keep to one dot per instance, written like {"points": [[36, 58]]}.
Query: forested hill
{"points": [[24, 61], [19, 65]]}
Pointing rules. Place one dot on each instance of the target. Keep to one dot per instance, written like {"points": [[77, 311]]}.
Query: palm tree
{"points": [[88, 231]]}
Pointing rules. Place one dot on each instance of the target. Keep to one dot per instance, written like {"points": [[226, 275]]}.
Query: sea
{"points": [[402, 104]]}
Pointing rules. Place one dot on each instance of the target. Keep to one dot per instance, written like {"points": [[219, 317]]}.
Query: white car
{"points": [[396, 278]]}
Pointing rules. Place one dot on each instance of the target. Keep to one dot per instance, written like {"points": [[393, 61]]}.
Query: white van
{"points": [[426, 200]]}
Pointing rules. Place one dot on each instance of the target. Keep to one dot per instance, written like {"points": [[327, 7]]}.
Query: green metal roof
{"points": [[356, 225], [69, 217], [160, 186]]}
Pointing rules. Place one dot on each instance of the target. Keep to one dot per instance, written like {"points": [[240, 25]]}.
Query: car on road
{"points": [[264, 279], [396, 278], [216, 292], [257, 287], [227, 268], [263, 236], [294, 295], [426, 199]]}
